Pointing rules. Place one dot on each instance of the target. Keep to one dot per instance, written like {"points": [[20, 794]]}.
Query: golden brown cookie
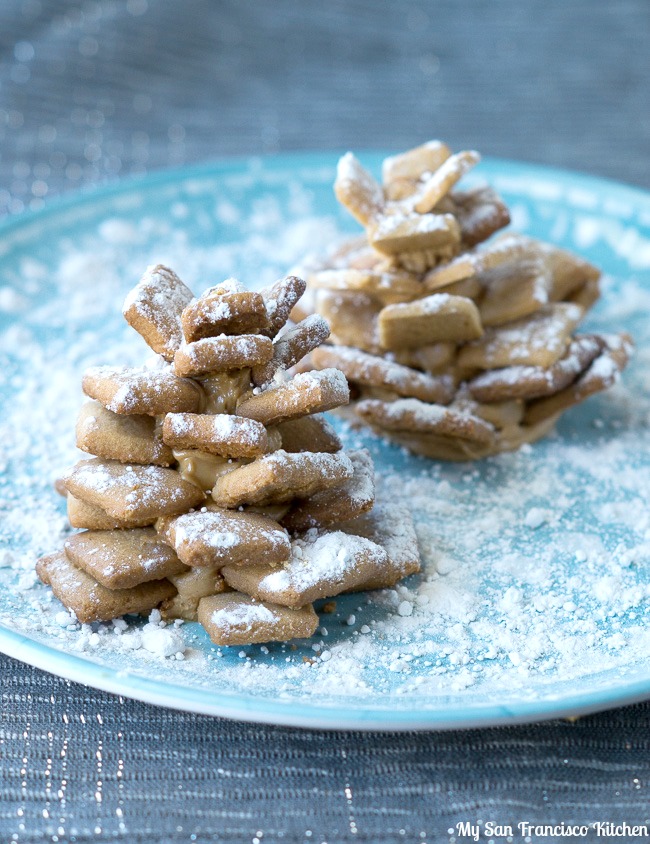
{"points": [[152, 392], [129, 439], [436, 318], [402, 172], [352, 318], [537, 340], [154, 308], [119, 559], [279, 301], [221, 434], [89, 600], [357, 190], [363, 369], [215, 537], [528, 382], [322, 565], [81, 514], [226, 309], [309, 433], [219, 354], [291, 346], [235, 619], [280, 476], [304, 394], [352, 498], [129, 492], [391, 527]]}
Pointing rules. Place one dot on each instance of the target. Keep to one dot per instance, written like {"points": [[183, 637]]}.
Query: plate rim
{"points": [[296, 713]]}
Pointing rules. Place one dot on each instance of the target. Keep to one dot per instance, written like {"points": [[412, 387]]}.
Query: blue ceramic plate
{"points": [[533, 601]]}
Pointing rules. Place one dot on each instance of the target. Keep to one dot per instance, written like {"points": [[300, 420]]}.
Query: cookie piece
{"points": [[279, 301], [304, 394], [390, 526], [119, 559], [151, 392], [81, 514], [401, 173], [129, 439], [292, 346], [234, 619], [371, 371], [322, 565], [412, 415], [219, 354], [191, 586], [357, 189], [89, 600], [280, 476], [220, 434], [513, 291], [344, 502], [215, 537], [397, 234], [528, 382], [225, 309], [537, 340], [352, 318], [436, 318], [154, 306], [129, 492], [309, 433], [602, 373], [480, 213], [442, 180]]}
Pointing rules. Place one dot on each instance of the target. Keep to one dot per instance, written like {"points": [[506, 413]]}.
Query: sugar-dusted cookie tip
{"points": [[154, 308], [151, 392]]}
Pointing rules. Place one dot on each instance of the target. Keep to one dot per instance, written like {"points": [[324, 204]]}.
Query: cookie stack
{"points": [[217, 491], [457, 342]]}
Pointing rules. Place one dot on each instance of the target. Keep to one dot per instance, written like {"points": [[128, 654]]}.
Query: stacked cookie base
{"points": [[217, 491]]}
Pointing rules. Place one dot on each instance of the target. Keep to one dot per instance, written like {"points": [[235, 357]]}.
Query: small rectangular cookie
{"points": [[304, 394], [279, 301], [152, 392], [386, 286], [234, 619], [434, 319], [352, 318], [129, 492], [372, 371], [216, 537], [129, 439], [154, 308], [309, 433], [344, 502], [191, 586], [529, 382], [403, 233], [222, 311], [390, 526], [292, 346], [119, 559], [81, 514], [219, 354], [539, 339], [513, 291], [480, 212], [322, 565], [280, 477], [89, 600], [220, 433], [442, 180], [411, 166], [357, 189]]}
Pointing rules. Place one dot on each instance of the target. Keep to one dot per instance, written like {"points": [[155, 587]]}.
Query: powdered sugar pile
{"points": [[536, 564]]}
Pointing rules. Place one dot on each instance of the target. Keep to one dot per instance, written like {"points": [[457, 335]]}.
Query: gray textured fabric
{"points": [[92, 91]]}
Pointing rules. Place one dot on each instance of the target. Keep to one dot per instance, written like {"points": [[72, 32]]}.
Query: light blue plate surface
{"points": [[63, 274]]}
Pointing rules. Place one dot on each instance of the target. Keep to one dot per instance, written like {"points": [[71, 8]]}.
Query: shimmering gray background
{"points": [[94, 91]]}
